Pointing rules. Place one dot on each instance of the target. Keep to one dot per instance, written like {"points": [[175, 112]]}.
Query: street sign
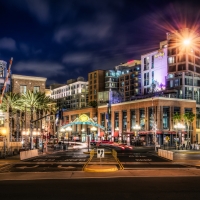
{"points": [[100, 153]]}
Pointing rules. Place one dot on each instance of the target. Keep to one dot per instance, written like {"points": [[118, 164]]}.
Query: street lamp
{"points": [[93, 129], [186, 42], [136, 128], [3, 133], [62, 130], [68, 129], [179, 127]]}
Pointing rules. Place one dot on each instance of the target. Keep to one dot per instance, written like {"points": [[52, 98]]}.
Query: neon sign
{"points": [[161, 54], [84, 118]]}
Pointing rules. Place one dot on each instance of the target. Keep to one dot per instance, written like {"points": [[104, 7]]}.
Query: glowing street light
{"points": [[68, 129], [186, 42], [136, 128], [178, 127]]}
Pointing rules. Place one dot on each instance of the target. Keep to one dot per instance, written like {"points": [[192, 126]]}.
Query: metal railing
{"points": [[114, 153], [91, 156]]}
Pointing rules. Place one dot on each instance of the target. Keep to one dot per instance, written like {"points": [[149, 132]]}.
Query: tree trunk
{"points": [[31, 129]]}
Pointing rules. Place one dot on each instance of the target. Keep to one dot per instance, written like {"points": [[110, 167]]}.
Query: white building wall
{"points": [[159, 69], [68, 90]]}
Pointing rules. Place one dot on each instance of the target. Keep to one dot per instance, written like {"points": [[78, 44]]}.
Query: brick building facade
{"points": [[146, 112], [21, 120]]}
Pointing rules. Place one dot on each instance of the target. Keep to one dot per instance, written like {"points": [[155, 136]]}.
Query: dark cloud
{"points": [[65, 39], [8, 44]]}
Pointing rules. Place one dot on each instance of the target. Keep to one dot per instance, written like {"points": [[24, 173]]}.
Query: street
{"points": [[103, 188]]}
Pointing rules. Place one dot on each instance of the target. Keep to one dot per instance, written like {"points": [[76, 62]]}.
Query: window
{"points": [[116, 119], [142, 118], [133, 118], [151, 118], [36, 89], [152, 62], [23, 89], [165, 117], [124, 120], [1, 72], [102, 119], [146, 79], [171, 59], [146, 63], [95, 75], [152, 76]]}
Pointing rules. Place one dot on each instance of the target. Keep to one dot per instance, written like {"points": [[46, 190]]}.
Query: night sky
{"points": [[63, 39]]}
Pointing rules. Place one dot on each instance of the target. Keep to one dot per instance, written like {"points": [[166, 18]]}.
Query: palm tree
{"points": [[11, 104], [32, 101], [35, 102], [189, 118], [176, 119]]}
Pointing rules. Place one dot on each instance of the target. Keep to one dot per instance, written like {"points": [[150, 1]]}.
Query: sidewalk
{"points": [[87, 175]]}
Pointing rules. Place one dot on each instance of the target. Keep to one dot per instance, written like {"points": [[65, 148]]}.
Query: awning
{"points": [[131, 133]]}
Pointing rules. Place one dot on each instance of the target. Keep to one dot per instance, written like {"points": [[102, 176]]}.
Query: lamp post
{"points": [[93, 129], [136, 128], [68, 129], [179, 127], [62, 130], [3, 132]]}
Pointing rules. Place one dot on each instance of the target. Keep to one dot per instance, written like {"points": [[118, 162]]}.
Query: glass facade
{"points": [[166, 116], [124, 120], [133, 119], [142, 119]]}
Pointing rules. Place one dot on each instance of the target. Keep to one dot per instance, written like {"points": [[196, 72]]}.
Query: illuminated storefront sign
{"points": [[84, 118], [160, 54]]}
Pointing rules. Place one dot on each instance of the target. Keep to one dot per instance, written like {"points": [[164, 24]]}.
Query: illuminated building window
{"points": [[165, 117], [36, 89], [124, 120], [171, 59], [23, 89], [133, 118], [146, 63], [152, 62], [116, 119], [142, 119]]}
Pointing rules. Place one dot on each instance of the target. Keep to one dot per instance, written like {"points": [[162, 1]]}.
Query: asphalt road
{"points": [[98, 189]]}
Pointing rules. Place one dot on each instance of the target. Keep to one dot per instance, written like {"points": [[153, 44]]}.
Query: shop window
{"points": [[151, 118], [116, 120], [124, 120], [133, 118], [142, 119], [103, 119], [165, 117]]}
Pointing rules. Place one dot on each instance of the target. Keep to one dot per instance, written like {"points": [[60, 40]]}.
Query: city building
{"points": [[154, 70], [21, 120], [184, 64], [3, 74], [22, 84], [73, 95], [146, 113], [121, 83], [96, 84]]}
